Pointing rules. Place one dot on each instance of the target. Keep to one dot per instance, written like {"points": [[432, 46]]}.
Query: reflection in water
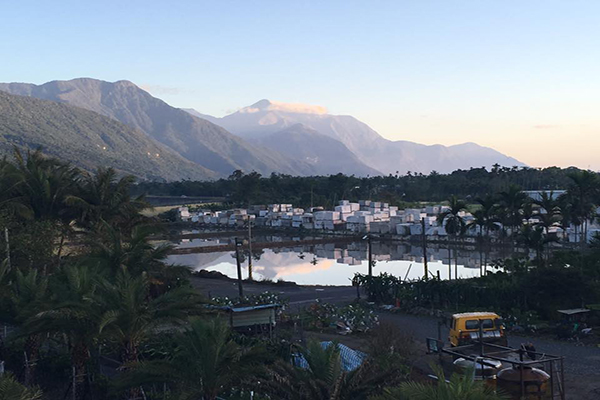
{"points": [[336, 264]]}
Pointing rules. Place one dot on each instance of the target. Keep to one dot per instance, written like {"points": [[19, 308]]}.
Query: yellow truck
{"points": [[465, 329]]}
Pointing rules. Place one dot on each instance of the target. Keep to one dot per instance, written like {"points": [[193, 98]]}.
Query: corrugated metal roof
{"points": [[242, 309], [476, 314], [251, 308], [574, 311]]}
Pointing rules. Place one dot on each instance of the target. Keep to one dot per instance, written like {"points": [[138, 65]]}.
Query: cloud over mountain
{"points": [[297, 108]]}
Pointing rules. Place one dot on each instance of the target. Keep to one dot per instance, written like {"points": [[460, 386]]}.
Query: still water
{"points": [[335, 264]]}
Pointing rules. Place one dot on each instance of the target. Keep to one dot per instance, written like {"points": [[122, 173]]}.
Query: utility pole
{"points": [[370, 255], [424, 249], [449, 259], [239, 267], [249, 249], [7, 247]]}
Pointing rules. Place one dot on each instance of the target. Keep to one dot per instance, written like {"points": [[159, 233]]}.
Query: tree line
{"points": [[253, 188]]}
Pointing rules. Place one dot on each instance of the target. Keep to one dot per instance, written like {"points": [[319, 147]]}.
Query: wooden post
{"points": [[552, 379], [424, 249], [74, 384], [481, 350], [239, 267], [249, 249], [562, 378]]}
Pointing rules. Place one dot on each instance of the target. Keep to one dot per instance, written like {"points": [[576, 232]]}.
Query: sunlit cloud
{"points": [[286, 107]]}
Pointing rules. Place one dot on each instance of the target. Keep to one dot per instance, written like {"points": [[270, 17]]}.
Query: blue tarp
{"points": [[351, 359]]}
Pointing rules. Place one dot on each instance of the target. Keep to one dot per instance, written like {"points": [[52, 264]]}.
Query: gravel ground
{"points": [[582, 363]]}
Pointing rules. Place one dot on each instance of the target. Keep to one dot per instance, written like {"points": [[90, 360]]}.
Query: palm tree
{"points": [[131, 316], [459, 387], [11, 201], [534, 238], [454, 224], [205, 363], [45, 184], [75, 312], [568, 212], [11, 389], [512, 201], [103, 198], [583, 190], [135, 255], [27, 296], [485, 218]]}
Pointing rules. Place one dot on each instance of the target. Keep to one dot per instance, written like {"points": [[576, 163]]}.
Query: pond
{"points": [[335, 264]]}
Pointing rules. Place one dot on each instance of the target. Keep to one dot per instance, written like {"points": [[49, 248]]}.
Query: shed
{"points": [[574, 314], [262, 315]]}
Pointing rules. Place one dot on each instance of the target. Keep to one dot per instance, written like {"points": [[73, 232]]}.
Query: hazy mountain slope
{"points": [[195, 113], [404, 156], [88, 139], [196, 139], [327, 155], [266, 117]]}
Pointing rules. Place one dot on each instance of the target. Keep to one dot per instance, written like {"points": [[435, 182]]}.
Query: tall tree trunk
{"points": [[80, 355], [129, 356], [456, 260], [480, 254], [32, 351], [449, 261]]}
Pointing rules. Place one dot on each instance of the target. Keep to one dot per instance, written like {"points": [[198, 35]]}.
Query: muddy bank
{"points": [[266, 245]]}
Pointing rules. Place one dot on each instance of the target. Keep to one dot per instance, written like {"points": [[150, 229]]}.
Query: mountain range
{"points": [[193, 138], [266, 137], [266, 118]]}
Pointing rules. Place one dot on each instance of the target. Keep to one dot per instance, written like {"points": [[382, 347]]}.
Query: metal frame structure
{"points": [[478, 352]]}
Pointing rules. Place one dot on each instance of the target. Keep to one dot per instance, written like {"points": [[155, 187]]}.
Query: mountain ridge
{"points": [[266, 117], [196, 139], [329, 156], [88, 139]]}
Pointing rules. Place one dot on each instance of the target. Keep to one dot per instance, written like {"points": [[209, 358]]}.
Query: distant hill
{"points": [[88, 139], [327, 155], [268, 117], [194, 138]]}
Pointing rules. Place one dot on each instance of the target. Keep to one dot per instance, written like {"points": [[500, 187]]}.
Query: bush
{"points": [[252, 300], [321, 316]]}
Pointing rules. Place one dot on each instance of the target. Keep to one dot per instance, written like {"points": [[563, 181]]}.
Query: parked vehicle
{"points": [[465, 328]]}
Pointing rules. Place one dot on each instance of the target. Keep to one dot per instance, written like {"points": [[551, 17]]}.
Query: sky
{"points": [[521, 76]]}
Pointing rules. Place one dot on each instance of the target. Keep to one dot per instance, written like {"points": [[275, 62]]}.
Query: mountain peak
{"points": [[125, 83], [294, 108], [261, 104]]}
